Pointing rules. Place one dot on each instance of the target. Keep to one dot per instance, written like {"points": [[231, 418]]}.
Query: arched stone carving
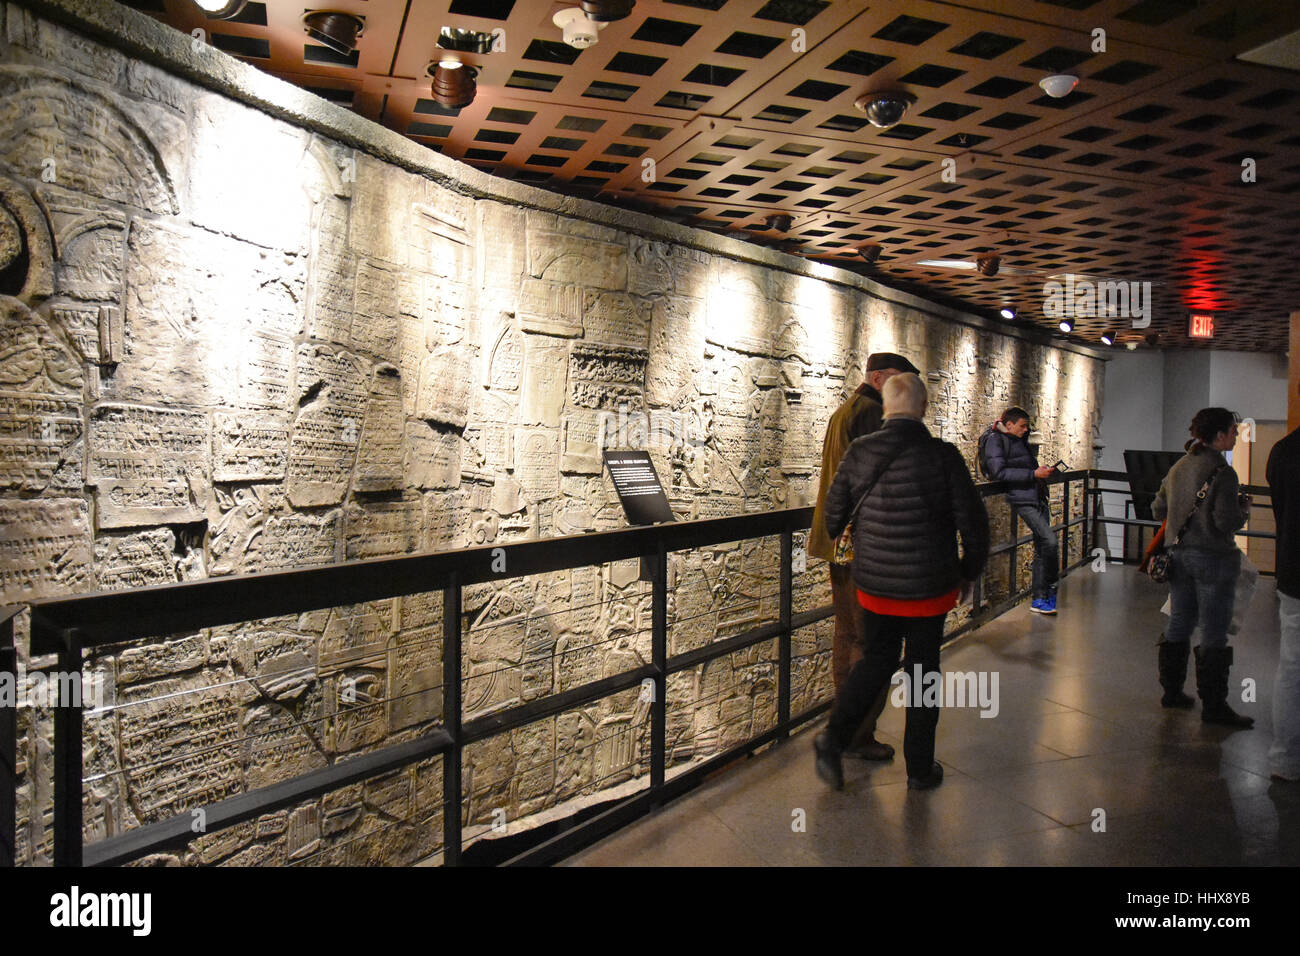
{"points": [[55, 128], [26, 249]]}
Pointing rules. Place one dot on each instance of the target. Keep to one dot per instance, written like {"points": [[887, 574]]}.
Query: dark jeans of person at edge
{"points": [[883, 637], [1047, 555]]}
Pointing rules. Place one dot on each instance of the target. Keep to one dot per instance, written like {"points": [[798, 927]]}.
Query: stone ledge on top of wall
{"points": [[140, 35]]}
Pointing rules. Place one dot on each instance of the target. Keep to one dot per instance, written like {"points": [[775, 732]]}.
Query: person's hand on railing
{"points": [[1044, 471]]}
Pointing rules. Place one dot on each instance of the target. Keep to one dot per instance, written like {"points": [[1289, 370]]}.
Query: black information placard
{"points": [[637, 484]]}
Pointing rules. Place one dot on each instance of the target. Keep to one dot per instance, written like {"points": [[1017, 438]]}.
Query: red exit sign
{"points": [[1200, 326]]}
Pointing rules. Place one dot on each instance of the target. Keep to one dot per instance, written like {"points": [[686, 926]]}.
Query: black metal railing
{"points": [[68, 627], [1145, 528]]}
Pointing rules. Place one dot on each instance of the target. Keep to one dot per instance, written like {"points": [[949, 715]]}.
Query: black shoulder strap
{"points": [[875, 478]]}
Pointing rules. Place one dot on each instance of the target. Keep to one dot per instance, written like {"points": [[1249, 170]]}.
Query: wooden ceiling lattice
{"points": [[746, 109]]}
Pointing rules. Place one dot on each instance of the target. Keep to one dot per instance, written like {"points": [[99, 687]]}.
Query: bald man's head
{"points": [[904, 396]]}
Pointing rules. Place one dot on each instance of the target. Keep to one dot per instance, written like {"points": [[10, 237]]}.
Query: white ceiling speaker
{"points": [[1058, 85], [579, 30]]}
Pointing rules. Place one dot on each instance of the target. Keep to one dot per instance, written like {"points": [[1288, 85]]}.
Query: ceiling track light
{"points": [[987, 265], [1067, 326], [1007, 312], [454, 85], [780, 221], [1058, 85], [607, 11], [870, 252], [1108, 337], [884, 109], [221, 9], [334, 29]]}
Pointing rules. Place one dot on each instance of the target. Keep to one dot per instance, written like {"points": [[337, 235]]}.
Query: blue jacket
{"points": [[1008, 458]]}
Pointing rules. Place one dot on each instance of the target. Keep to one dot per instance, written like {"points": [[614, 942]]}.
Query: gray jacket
{"points": [[1211, 526]]}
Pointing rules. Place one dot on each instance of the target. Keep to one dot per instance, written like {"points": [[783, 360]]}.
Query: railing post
{"points": [[452, 720], [785, 640], [659, 658], [1065, 525], [8, 745], [67, 759]]}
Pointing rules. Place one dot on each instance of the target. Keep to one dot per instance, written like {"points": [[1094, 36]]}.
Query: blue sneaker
{"points": [[1043, 606], [1051, 603]]}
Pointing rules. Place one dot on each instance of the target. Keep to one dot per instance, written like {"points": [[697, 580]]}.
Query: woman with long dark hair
{"points": [[1203, 507]]}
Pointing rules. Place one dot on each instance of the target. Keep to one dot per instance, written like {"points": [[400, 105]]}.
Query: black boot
{"points": [[1212, 665], [1173, 672]]}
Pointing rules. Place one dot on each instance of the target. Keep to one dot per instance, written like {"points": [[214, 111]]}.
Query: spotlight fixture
{"points": [[607, 11], [465, 41], [885, 109], [1108, 337], [870, 252], [1067, 325], [1131, 346], [987, 265], [580, 31], [453, 83], [338, 31], [1058, 85], [221, 9], [780, 221], [1007, 312]]}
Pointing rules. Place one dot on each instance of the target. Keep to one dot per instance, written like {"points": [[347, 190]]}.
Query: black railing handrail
{"points": [[111, 617]]}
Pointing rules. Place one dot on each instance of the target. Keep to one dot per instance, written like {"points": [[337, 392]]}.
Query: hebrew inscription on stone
{"points": [[148, 465]]}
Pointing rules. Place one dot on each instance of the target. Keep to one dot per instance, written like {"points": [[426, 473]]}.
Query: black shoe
{"points": [[1212, 665], [929, 781], [1172, 665], [828, 762]]}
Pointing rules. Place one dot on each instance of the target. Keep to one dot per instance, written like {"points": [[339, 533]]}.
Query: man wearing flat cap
{"points": [[862, 414]]}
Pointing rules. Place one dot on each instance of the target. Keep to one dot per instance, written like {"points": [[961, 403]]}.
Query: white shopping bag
{"points": [[1247, 580]]}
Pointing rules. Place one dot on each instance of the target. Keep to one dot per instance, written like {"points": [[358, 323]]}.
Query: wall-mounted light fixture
{"points": [[779, 221], [454, 85], [607, 11], [338, 31], [884, 109], [987, 265], [1067, 325], [221, 9]]}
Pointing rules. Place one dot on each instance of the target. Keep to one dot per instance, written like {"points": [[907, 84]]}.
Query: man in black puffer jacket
{"points": [[1007, 457], [908, 496]]}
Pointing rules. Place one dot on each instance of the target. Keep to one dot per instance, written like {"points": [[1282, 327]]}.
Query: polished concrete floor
{"points": [[1080, 767]]}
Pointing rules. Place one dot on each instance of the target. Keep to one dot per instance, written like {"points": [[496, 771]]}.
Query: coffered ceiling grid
{"points": [[746, 109]]}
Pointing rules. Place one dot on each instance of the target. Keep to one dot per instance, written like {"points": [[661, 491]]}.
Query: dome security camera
{"points": [[580, 31], [885, 110]]}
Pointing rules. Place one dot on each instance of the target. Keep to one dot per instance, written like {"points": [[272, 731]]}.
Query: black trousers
{"points": [[883, 637]]}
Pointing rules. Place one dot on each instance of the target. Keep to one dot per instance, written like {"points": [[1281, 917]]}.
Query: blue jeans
{"points": [[1202, 588], [1047, 556], [1284, 754]]}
